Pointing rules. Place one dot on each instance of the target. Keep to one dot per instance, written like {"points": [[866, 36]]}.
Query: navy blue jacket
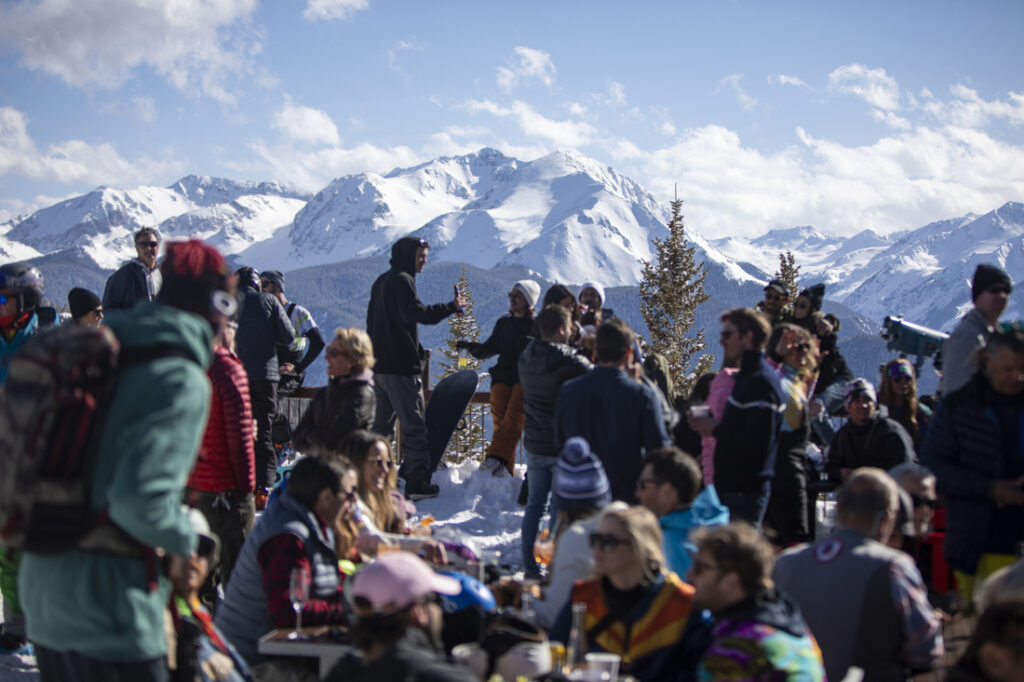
{"points": [[262, 324], [543, 368], [620, 418], [748, 434], [126, 287], [966, 448]]}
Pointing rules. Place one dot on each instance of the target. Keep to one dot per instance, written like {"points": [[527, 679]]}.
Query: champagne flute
{"points": [[298, 593]]}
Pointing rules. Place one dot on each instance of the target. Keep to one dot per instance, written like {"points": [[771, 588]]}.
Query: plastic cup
{"points": [[602, 666]]}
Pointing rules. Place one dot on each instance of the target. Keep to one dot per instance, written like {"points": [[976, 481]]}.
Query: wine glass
{"points": [[544, 546], [298, 593]]}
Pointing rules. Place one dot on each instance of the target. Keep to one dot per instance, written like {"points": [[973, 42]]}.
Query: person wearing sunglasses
{"points": [[295, 532], [833, 372], [347, 403], [636, 607], [197, 644], [990, 293], [898, 392], [381, 510], [137, 280], [757, 632], [776, 301]]}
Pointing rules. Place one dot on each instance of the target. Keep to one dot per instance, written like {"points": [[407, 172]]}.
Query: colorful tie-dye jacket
{"points": [[763, 638]]}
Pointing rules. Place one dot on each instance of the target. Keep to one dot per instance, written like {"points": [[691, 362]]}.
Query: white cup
{"points": [[700, 411], [602, 666]]}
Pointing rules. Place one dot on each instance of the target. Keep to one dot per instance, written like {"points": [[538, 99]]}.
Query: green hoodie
{"points": [[100, 605]]}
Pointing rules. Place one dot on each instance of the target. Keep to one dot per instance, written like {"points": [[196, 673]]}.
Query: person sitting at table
{"points": [[201, 652], [635, 607], [398, 626], [294, 535], [347, 402], [380, 515]]}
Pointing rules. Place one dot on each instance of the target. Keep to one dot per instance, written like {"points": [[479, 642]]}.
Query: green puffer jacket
{"points": [[100, 605]]}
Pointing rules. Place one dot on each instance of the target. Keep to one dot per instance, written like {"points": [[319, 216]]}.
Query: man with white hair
{"points": [[507, 341]]}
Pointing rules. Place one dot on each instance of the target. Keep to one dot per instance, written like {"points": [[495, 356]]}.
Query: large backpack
{"points": [[52, 408]]}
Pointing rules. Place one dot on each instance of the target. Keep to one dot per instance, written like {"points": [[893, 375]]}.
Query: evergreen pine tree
{"points": [[671, 289], [470, 441], [788, 272]]}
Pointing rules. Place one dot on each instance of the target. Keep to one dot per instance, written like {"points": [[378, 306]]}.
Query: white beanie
{"points": [[529, 289], [596, 287]]}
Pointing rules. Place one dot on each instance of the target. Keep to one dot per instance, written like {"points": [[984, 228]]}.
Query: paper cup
{"points": [[602, 666]]}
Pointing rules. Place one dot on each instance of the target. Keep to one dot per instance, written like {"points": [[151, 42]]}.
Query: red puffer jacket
{"points": [[226, 460]]}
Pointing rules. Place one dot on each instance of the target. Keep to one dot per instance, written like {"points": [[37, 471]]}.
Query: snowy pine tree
{"points": [[788, 272], [470, 441], [670, 290]]}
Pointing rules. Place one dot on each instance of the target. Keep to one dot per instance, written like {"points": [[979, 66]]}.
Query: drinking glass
{"points": [[298, 593]]}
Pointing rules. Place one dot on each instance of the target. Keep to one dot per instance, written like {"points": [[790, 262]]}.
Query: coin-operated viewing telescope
{"points": [[907, 338]]}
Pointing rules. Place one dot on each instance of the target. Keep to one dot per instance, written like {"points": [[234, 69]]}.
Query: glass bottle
{"points": [[577, 648]]}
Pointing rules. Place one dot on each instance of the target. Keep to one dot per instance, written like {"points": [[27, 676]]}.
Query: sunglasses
{"points": [[772, 296], [999, 290], [148, 245], [642, 483], [348, 496], [335, 353], [899, 379], [726, 334], [922, 501], [383, 463], [802, 305], [803, 347], [606, 542]]}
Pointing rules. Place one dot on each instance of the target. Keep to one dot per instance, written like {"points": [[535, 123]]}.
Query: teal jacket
{"points": [[101, 605], [706, 510], [9, 348]]}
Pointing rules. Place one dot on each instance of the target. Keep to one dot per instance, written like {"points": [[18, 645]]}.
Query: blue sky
{"points": [[843, 115]]}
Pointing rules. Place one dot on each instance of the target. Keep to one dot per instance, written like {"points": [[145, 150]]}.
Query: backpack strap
{"points": [[291, 309]]}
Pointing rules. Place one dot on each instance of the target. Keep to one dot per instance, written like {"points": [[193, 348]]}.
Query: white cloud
{"points": [[394, 52], [561, 134], [891, 119], [199, 46], [70, 161], [733, 82], [532, 64], [784, 79], [145, 108], [306, 124], [333, 9], [616, 94], [311, 170], [900, 181], [873, 86], [968, 109], [577, 109]]}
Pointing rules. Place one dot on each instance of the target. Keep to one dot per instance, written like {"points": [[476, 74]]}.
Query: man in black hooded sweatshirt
{"points": [[391, 319]]}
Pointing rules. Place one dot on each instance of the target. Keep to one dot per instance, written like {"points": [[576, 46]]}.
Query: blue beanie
{"points": [[580, 481]]}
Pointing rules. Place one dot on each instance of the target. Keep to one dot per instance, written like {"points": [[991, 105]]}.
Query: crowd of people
{"points": [[675, 531]]}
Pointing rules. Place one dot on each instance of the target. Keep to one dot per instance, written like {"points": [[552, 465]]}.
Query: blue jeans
{"points": [[540, 469], [749, 507]]}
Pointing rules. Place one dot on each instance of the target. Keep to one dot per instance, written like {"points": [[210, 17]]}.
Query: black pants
{"points": [[55, 666], [787, 508], [263, 396], [230, 515]]}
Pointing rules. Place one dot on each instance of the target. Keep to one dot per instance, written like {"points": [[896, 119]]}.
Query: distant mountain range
{"points": [[563, 217]]}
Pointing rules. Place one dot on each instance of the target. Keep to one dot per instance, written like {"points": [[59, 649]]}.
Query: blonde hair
{"points": [[641, 527], [357, 344]]}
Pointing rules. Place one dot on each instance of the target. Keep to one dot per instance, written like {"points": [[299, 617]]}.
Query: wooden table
{"points": [[315, 645]]}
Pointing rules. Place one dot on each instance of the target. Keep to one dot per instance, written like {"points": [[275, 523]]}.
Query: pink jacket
{"points": [[718, 396]]}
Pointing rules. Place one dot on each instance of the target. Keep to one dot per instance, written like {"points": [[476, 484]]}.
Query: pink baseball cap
{"points": [[397, 580]]}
